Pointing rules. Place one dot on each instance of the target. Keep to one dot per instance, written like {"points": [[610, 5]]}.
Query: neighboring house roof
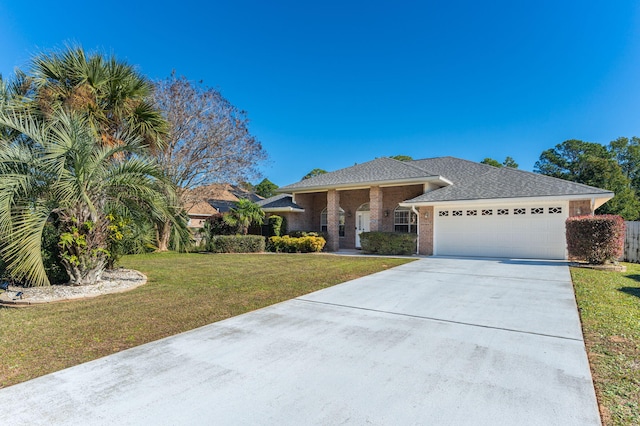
{"points": [[459, 180], [220, 197], [279, 203], [379, 171], [223, 206], [202, 209]]}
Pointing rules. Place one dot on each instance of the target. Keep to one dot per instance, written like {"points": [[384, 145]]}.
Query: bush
{"points": [[218, 226], [274, 226], [388, 243], [298, 234], [596, 239], [288, 244], [51, 254], [236, 244]]}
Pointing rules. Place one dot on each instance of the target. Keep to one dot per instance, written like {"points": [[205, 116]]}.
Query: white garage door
{"points": [[535, 231]]}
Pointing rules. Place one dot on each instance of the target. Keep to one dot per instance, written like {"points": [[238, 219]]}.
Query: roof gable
{"points": [[476, 181]]}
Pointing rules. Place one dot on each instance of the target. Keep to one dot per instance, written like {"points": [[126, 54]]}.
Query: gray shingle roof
{"points": [[475, 181], [471, 180], [281, 201], [379, 170]]}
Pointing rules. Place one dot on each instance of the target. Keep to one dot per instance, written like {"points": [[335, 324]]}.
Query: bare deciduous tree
{"points": [[209, 140]]}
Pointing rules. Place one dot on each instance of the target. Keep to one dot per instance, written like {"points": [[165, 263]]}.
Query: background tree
{"points": [[59, 172], [314, 172], [595, 165], [491, 162], [508, 162], [208, 141], [402, 157], [266, 188], [627, 153], [245, 214]]}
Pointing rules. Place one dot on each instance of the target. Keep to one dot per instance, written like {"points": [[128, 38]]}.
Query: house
{"points": [[206, 201], [456, 207]]}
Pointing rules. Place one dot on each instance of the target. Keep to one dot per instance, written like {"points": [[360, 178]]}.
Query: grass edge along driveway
{"points": [[184, 291], [609, 304]]}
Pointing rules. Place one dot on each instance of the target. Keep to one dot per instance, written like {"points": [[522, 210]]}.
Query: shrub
{"points": [[388, 243], [51, 254], [274, 226], [288, 244], [218, 226], [298, 234], [596, 239], [236, 244]]}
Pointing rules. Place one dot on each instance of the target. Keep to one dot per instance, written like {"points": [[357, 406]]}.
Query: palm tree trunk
{"points": [[164, 233], [83, 276]]}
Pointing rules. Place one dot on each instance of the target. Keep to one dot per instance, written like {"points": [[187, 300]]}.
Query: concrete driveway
{"points": [[440, 341]]}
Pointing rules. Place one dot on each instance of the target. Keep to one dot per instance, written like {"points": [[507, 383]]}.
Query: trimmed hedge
{"points": [[236, 244], [288, 244], [298, 234], [596, 239], [274, 224], [388, 243]]}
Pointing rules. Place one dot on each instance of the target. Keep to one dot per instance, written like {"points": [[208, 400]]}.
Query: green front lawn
{"points": [[609, 304], [184, 291]]}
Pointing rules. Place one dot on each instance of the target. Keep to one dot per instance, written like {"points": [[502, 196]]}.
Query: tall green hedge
{"points": [[274, 223], [596, 239], [388, 243]]}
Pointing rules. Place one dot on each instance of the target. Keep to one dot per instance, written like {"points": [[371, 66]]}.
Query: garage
{"points": [[530, 231]]}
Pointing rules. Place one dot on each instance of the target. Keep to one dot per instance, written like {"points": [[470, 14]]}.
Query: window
{"points": [[443, 213], [457, 213], [519, 211], [404, 220], [487, 212], [472, 213], [323, 222], [537, 210], [503, 212], [555, 210]]}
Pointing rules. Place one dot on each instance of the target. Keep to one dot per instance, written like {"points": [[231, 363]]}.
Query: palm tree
{"points": [[60, 169], [111, 95], [244, 214]]}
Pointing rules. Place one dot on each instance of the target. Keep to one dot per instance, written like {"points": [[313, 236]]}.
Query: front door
{"points": [[362, 225]]}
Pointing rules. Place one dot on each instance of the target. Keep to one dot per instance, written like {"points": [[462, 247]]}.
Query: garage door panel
{"points": [[525, 235]]}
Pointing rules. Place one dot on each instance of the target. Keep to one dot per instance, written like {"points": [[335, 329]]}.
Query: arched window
{"points": [[323, 222], [404, 220]]}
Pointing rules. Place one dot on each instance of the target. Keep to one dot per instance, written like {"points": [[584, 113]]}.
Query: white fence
{"points": [[632, 242]]}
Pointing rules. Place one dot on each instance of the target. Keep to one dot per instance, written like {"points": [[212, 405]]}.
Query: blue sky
{"points": [[332, 83]]}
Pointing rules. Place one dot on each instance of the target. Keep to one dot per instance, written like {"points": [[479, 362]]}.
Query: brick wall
{"points": [[425, 230], [376, 208], [313, 204], [391, 197], [333, 212], [350, 201]]}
